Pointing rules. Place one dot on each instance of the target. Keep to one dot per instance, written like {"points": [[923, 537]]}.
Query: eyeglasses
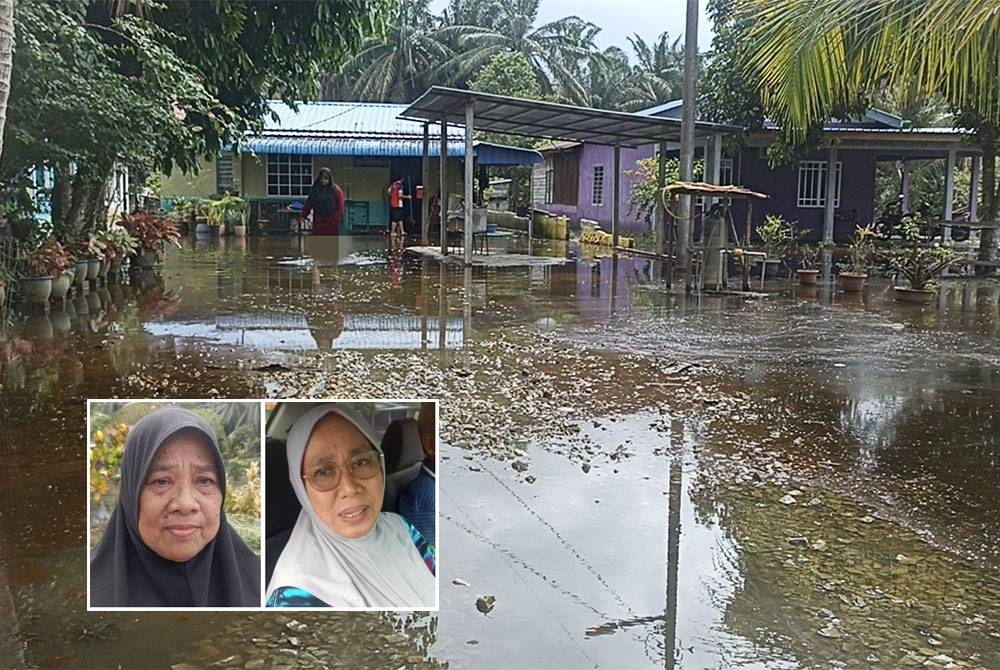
{"points": [[326, 476]]}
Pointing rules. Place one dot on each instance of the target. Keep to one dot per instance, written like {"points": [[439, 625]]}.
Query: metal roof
{"points": [[535, 118], [353, 119], [486, 152]]}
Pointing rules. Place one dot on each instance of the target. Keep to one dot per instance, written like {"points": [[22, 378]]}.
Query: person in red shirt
{"points": [[326, 203], [396, 197]]}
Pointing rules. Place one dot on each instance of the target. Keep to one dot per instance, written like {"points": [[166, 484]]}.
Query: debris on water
{"points": [[296, 626], [819, 545], [867, 519], [829, 631], [530, 479], [485, 604], [520, 466], [905, 560], [787, 500], [797, 541], [585, 467], [458, 581]]}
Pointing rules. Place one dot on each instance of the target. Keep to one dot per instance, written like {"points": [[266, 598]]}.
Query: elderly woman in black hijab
{"points": [[326, 203], [168, 543]]}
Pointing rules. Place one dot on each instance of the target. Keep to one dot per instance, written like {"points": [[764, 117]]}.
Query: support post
{"points": [[616, 197], [425, 179], [469, 176], [689, 96], [831, 194], [443, 171], [977, 167], [660, 219], [949, 192]]}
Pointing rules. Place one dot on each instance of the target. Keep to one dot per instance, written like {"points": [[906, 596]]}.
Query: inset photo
{"points": [[351, 505], [174, 504]]}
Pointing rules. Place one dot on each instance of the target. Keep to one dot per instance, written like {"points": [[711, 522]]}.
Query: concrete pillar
{"points": [[469, 175], [977, 171], [660, 217], [443, 171], [949, 192], [425, 179], [616, 197], [831, 192]]}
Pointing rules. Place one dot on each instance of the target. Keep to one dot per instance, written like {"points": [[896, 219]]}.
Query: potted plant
{"points": [[44, 264], [776, 235], [119, 244], [920, 263], [153, 233], [231, 210], [860, 253], [807, 272]]}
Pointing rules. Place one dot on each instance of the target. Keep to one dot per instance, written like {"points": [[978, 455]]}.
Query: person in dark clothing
{"points": [[326, 203], [168, 543]]}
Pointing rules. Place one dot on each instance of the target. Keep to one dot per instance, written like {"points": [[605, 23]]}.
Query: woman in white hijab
{"points": [[344, 552]]}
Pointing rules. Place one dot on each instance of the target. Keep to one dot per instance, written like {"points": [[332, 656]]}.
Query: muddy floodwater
{"points": [[638, 478]]}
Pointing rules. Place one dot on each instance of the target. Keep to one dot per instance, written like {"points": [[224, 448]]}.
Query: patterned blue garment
{"points": [[416, 503], [292, 596]]}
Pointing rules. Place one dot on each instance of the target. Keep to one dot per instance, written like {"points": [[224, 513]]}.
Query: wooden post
{"points": [[425, 178], [660, 232], [469, 175], [443, 171], [977, 166]]}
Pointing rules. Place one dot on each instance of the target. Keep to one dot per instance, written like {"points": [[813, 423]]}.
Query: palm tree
{"points": [[400, 67], [510, 26], [815, 57], [660, 69]]}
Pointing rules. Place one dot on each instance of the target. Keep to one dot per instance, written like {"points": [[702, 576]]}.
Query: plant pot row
{"points": [[43, 289]]}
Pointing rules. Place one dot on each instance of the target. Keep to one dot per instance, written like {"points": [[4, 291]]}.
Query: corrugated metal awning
{"points": [[486, 153], [537, 118]]}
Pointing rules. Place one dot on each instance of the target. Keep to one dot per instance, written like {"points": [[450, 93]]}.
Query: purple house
{"points": [[574, 179]]}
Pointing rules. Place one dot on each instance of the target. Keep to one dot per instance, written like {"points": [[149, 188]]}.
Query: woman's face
{"points": [[350, 508], [181, 500]]}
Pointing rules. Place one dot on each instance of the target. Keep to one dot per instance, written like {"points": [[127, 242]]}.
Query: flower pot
{"points": [[807, 277], [147, 258], [238, 230], [204, 230], [61, 284], [771, 269], [853, 282], [81, 272], [914, 295], [93, 267], [36, 289]]}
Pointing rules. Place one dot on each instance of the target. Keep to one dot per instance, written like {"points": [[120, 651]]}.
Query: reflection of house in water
{"points": [[275, 332]]}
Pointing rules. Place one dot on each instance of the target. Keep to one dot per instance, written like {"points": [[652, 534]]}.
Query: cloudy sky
{"points": [[619, 19]]}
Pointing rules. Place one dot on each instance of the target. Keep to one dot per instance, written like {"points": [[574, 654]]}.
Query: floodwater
{"points": [[804, 480]]}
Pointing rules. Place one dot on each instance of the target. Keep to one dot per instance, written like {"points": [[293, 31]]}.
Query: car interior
{"points": [[400, 443]]}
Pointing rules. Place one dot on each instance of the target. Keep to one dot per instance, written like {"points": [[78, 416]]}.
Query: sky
{"points": [[619, 19]]}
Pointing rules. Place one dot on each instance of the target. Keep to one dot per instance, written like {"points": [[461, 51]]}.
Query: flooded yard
{"points": [[635, 478]]}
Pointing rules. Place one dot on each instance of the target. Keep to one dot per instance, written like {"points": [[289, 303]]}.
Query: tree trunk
{"points": [[6, 59], [988, 236], [61, 192]]}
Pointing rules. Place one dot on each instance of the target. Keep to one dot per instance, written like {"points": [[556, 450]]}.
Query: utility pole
{"points": [[684, 227]]}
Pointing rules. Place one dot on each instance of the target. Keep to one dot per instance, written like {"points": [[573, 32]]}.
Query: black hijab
{"points": [[124, 572], [324, 198]]}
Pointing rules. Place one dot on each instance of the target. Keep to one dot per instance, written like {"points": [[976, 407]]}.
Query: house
{"points": [[572, 180], [365, 146]]}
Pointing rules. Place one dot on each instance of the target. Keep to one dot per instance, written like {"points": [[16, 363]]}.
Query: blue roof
{"points": [[485, 152], [871, 119], [354, 119]]}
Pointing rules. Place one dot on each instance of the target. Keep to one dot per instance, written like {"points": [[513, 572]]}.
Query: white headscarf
{"points": [[381, 569]]}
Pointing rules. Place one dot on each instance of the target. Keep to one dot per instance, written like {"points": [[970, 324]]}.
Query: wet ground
{"points": [[638, 478]]}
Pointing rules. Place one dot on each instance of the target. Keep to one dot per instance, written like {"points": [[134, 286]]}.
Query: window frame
{"points": [[814, 173], [597, 194], [282, 181]]}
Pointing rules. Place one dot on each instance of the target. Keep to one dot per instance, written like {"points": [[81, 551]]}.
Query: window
{"points": [[549, 181], [812, 184], [224, 173], [726, 172], [597, 196], [289, 175]]}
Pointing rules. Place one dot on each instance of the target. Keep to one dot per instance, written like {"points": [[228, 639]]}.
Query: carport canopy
{"points": [[552, 120]]}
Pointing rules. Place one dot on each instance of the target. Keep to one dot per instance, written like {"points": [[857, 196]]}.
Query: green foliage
{"points": [[861, 249], [642, 198], [920, 263], [777, 235], [108, 447], [728, 92]]}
